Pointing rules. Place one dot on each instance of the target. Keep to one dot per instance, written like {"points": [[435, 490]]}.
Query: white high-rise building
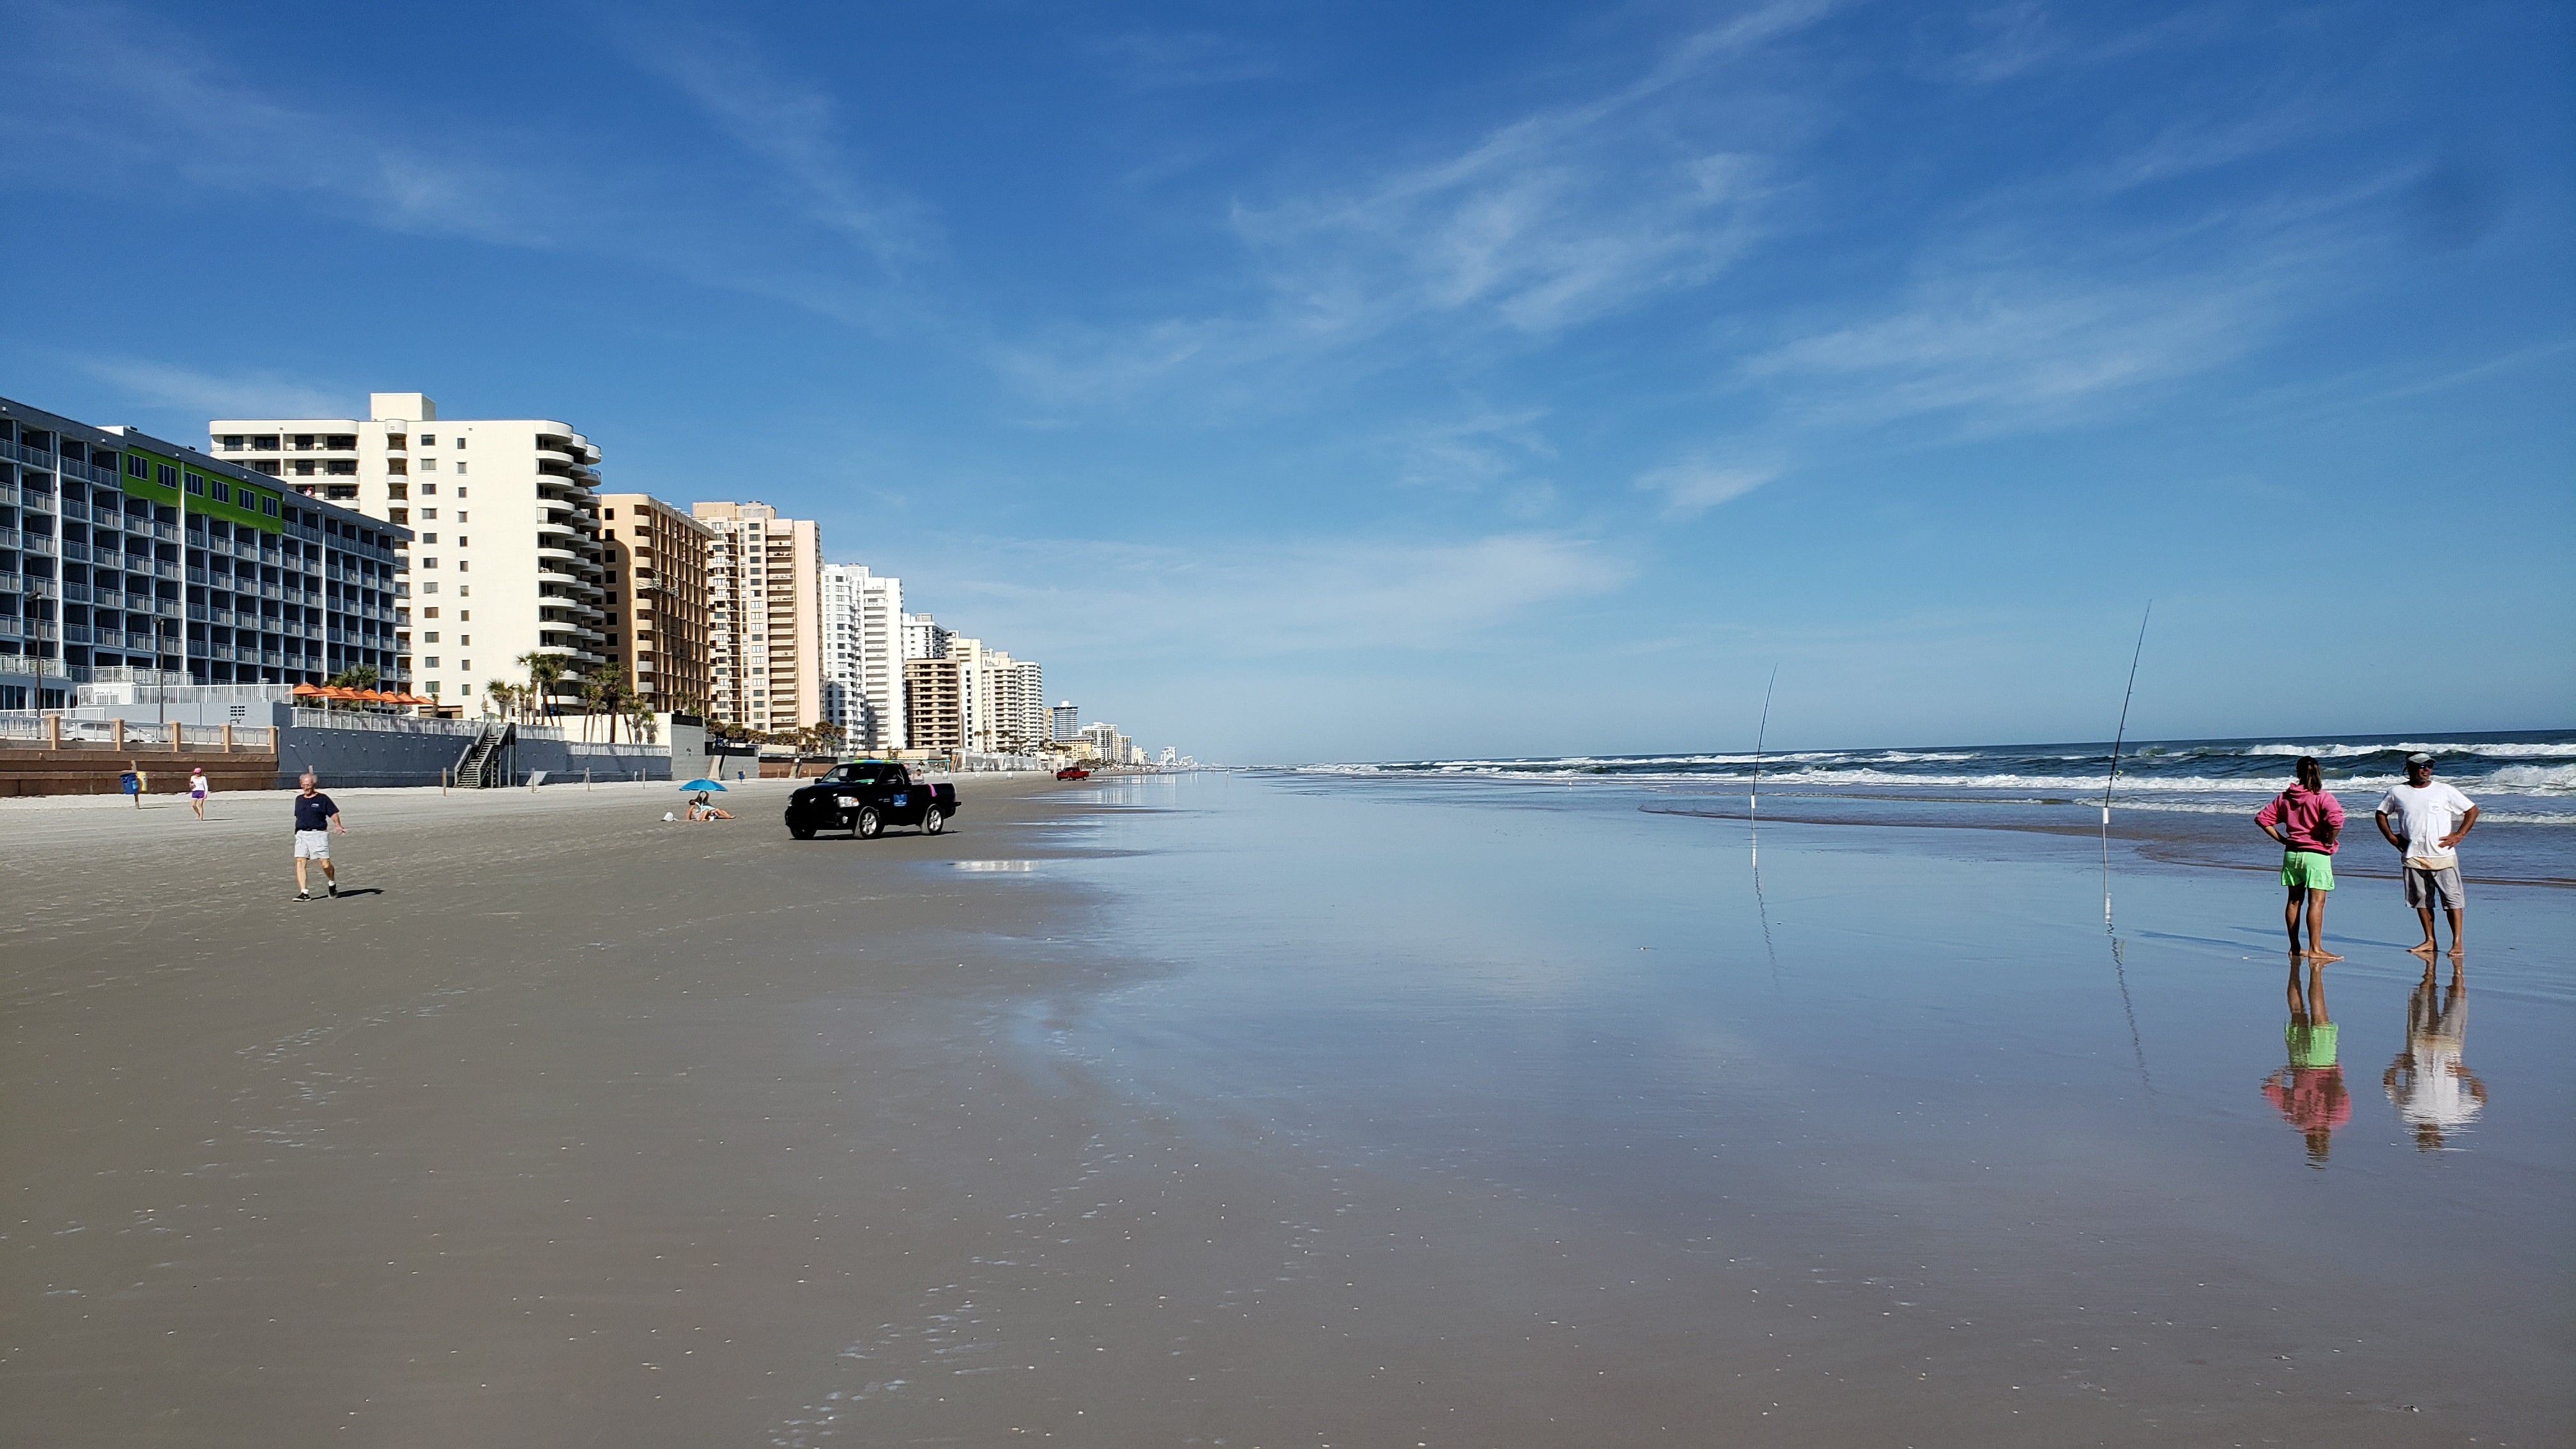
{"points": [[863, 654], [1024, 707], [1065, 724], [504, 560], [924, 639]]}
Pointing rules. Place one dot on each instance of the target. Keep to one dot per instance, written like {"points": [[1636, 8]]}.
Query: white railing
{"points": [[399, 724]]}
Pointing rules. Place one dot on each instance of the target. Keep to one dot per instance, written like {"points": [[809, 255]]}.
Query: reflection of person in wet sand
{"points": [[2432, 1089], [2310, 1091]]}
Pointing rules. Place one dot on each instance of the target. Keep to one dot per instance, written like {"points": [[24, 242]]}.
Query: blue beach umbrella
{"points": [[703, 783]]}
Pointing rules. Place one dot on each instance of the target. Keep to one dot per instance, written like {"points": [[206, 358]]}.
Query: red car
{"points": [[1073, 772]]}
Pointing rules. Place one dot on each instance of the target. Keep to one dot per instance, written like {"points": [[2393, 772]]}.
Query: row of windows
{"points": [[220, 490]]}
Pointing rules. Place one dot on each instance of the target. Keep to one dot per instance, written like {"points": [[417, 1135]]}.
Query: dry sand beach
{"points": [[1241, 1110]]}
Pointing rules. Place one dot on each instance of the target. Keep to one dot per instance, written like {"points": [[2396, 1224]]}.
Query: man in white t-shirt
{"points": [[2425, 819]]}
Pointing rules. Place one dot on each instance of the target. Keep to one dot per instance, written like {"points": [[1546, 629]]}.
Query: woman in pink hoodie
{"points": [[2305, 820]]}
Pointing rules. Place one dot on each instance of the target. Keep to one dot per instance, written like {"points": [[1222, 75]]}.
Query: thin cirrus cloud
{"points": [[112, 93], [1313, 596], [1549, 221], [784, 121], [108, 95], [192, 393], [1693, 486]]}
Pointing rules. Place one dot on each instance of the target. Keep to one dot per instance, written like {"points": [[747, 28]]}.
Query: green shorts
{"points": [[2309, 869]]}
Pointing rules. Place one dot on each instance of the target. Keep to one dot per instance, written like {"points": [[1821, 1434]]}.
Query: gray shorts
{"points": [[2423, 886], [316, 845]]}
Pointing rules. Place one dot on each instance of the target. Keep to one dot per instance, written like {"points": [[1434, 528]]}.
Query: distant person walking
{"points": [[2425, 819], [2306, 821], [316, 816], [198, 789]]}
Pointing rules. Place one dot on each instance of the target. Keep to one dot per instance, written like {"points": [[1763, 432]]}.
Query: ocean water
{"points": [[2522, 778]]}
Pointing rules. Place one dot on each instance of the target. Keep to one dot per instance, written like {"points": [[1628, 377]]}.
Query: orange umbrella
{"points": [[308, 691]]}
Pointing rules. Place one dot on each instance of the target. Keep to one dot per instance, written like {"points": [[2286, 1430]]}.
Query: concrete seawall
{"points": [[384, 757]]}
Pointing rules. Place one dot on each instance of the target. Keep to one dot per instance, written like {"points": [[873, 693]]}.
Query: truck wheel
{"points": [[801, 832], [871, 824], [932, 822]]}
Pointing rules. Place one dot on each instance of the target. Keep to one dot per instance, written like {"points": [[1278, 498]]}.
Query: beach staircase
{"points": [[479, 768]]}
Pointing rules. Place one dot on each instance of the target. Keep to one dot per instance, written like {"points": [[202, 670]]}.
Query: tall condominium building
{"points": [[122, 552], [934, 704], [1065, 722], [1023, 722], [924, 639], [1004, 699], [764, 612], [521, 580], [863, 656], [655, 559]]}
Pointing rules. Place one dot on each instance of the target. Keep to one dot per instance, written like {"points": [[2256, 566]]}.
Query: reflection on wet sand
{"points": [[2309, 1091], [2430, 1084]]}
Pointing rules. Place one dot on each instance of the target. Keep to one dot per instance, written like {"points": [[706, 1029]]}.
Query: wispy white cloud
{"points": [[201, 394], [1482, 450], [1309, 596], [1693, 486], [785, 120], [107, 97], [1561, 217], [2015, 347], [107, 91]]}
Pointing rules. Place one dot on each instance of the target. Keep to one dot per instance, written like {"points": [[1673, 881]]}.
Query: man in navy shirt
{"points": [[315, 818]]}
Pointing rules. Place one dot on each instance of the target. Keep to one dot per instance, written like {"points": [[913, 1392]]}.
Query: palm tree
{"points": [[545, 671], [592, 695], [497, 697], [612, 697], [356, 676]]}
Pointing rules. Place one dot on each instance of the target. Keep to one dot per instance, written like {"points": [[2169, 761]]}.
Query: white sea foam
{"points": [[2492, 751]]}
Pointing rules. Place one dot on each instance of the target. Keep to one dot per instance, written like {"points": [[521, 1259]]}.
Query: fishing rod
{"points": [[1753, 804], [2121, 737]]}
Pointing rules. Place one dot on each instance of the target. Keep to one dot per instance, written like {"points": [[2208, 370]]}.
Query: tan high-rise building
{"points": [[503, 561], [655, 558], [934, 714], [764, 616]]}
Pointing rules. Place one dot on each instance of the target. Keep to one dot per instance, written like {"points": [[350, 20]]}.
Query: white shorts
{"points": [[313, 845]]}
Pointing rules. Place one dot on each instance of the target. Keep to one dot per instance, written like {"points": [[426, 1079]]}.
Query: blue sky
{"points": [[1362, 381]]}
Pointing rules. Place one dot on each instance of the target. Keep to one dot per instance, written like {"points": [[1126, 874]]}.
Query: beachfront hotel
{"points": [[863, 656], [654, 558], [125, 557], [764, 615], [524, 579]]}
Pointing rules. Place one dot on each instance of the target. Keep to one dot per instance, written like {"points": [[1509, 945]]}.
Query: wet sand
{"points": [[1231, 1110]]}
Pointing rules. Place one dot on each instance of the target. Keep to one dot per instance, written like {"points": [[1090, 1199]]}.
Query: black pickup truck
{"points": [[864, 797]]}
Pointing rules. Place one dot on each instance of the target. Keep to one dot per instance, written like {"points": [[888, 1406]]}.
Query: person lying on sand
{"points": [[702, 808]]}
